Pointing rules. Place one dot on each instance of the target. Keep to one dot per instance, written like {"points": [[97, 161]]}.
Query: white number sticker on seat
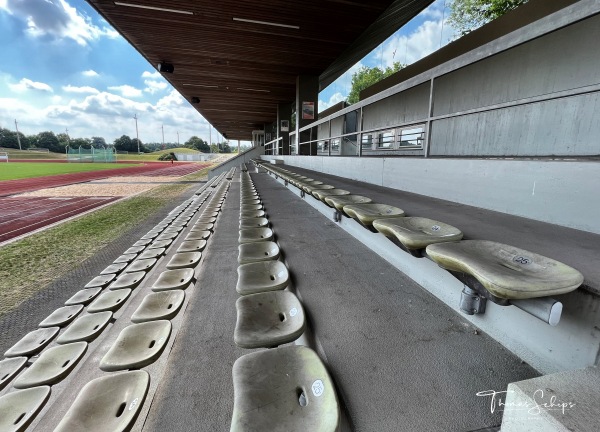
{"points": [[133, 404], [293, 312], [318, 388], [435, 228], [522, 260]]}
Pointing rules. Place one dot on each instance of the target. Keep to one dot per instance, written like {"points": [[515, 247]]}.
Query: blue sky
{"points": [[58, 73]]}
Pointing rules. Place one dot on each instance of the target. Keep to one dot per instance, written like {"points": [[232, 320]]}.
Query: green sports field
{"points": [[21, 170]]}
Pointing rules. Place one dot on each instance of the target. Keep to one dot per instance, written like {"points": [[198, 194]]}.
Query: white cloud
{"points": [[26, 84], [335, 98], [56, 18], [154, 86], [153, 75], [85, 89], [90, 73], [127, 90]]}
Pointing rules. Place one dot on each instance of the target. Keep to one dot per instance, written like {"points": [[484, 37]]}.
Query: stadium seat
{"points": [[127, 280], [416, 233], [109, 301], [254, 223], [283, 389], [252, 235], [142, 242], [184, 260], [9, 368], [256, 252], [61, 316], [159, 244], [33, 342], [173, 279], [141, 265], [101, 281], [202, 227], [339, 201], [52, 366], [167, 236], [108, 403], [198, 235], [137, 345], [505, 271], [85, 328], [312, 187], [162, 305], [192, 246], [114, 269], [320, 194], [261, 277], [134, 250], [19, 408], [154, 252], [125, 258], [250, 207], [268, 319], [83, 297], [249, 201], [150, 235], [367, 213], [252, 214]]}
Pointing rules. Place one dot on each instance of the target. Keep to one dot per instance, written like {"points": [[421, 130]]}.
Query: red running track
{"points": [[12, 187], [22, 215]]}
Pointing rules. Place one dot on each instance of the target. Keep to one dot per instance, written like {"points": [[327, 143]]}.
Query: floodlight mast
{"points": [[18, 137], [137, 135]]}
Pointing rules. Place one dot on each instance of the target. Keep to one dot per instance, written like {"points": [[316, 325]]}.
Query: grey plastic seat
{"points": [[19, 408], [192, 246], [256, 252], [160, 244], [184, 260], [101, 281], [262, 277], [125, 258], [367, 213], [127, 280], [198, 235], [173, 228], [253, 235], [83, 297], [310, 188], [173, 279], [322, 193], [52, 366], [62, 316], [206, 220], [134, 250], [252, 214], [86, 328], [268, 319], [167, 236], [113, 269], [152, 253], [137, 345], [250, 207], [505, 271], [417, 232], [250, 201], [283, 389], [141, 265], [254, 223], [142, 242], [210, 214], [109, 301], [9, 368], [339, 201], [108, 403], [203, 227], [33, 342], [162, 305]]}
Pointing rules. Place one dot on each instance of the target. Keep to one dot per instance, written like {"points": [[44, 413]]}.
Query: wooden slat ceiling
{"points": [[242, 70]]}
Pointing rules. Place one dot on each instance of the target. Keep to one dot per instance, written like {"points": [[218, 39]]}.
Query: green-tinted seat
{"points": [[19, 408], [268, 319], [173, 228], [83, 296], [167, 236], [252, 214], [506, 271], [259, 222], [252, 235], [86, 328], [152, 253], [141, 265], [192, 246], [184, 260], [134, 250], [33, 342], [108, 403], [9, 368], [261, 277], [142, 242], [417, 232], [52, 366], [127, 280], [310, 188], [206, 220], [160, 244], [62, 316], [202, 227], [173, 279], [256, 252], [198, 235], [339, 201], [101, 281], [151, 234], [322, 193], [109, 301], [162, 305], [210, 214], [113, 269], [137, 345], [283, 389], [367, 213], [125, 258]]}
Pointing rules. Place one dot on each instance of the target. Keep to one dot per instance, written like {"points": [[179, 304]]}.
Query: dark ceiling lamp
{"points": [[195, 100], [165, 67]]}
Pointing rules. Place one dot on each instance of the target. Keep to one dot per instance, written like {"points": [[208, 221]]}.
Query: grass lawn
{"points": [[21, 170], [29, 265], [26, 154]]}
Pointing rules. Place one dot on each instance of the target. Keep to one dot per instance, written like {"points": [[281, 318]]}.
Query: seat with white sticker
{"points": [[19, 408], [263, 276], [173, 279], [283, 389], [268, 319], [506, 272], [33, 342], [162, 305], [108, 403], [256, 252], [367, 213], [52, 366], [85, 328], [416, 233], [109, 301], [137, 345], [339, 201], [62, 316]]}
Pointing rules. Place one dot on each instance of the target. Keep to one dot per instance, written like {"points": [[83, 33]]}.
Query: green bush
{"points": [[167, 157]]}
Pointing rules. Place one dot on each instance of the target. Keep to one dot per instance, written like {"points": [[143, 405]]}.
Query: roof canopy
{"points": [[241, 58]]}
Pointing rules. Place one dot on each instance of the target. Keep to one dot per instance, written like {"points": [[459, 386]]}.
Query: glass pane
{"points": [[385, 139], [412, 137]]}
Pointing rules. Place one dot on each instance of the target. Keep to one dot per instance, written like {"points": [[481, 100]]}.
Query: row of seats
{"points": [[88, 313], [280, 388], [497, 271]]}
